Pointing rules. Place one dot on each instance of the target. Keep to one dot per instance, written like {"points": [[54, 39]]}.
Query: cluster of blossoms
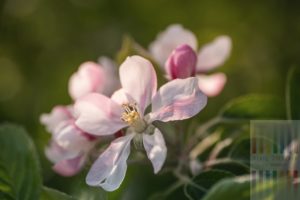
{"points": [[106, 103], [70, 146]]}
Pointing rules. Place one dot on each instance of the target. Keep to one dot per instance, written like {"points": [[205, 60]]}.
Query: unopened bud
{"points": [[182, 62]]}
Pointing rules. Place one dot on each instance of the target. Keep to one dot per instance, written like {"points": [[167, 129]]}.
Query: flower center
{"points": [[130, 114], [132, 117]]}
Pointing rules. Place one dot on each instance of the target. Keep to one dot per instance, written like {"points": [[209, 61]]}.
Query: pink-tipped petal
{"points": [[177, 100], [156, 149], [69, 167], [181, 63], [111, 77], [109, 170], [138, 79], [68, 136], [56, 153], [57, 115], [213, 84], [214, 54], [98, 115], [168, 40], [89, 78]]}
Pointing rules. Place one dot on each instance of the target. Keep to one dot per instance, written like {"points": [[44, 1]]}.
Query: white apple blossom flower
{"points": [[99, 115]]}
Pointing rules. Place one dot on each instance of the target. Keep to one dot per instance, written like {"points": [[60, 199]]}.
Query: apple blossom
{"points": [[69, 146], [64, 165], [94, 77], [166, 48], [99, 115]]}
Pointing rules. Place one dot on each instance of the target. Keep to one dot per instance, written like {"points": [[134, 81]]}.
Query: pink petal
{"points": [[168, 40], [56, 153], [138, 79], [69, 137], [214, 54], [98, 115], [213, 84], [69, 167], [156, 149], [111, 76], [109, 170], [177, 100], [57, 115], [89, 78]]}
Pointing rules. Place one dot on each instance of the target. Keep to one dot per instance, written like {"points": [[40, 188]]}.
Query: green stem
{"points": [[187, 180], [201, 132], [173, 187]]}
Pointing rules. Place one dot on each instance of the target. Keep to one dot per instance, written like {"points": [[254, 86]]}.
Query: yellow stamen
{"points": [[132, 117], [130, 114]]}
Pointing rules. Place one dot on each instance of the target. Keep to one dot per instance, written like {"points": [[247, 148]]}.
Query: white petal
{"points": [[213, 84], [121, 97], [156, 149], [98, 115], [138, 79], [114, 181], [69, 137], [57, 115], [168, 40], [214, 54], [109, 169], [177, 100]]}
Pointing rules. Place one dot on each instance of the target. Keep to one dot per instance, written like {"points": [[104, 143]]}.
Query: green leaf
{"points": [[230, 188], [141, 183], [19, 166], [253, 107], [241, 151], [231, 134], [82, 191], [293, 94], [51, 194], [203, 182]]}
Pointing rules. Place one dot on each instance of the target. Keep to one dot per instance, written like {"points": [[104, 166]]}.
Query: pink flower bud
{"points": [[182, 62], [89, 78]]}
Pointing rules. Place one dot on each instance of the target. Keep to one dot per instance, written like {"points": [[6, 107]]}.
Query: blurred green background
{"points": [[42, 42]]}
